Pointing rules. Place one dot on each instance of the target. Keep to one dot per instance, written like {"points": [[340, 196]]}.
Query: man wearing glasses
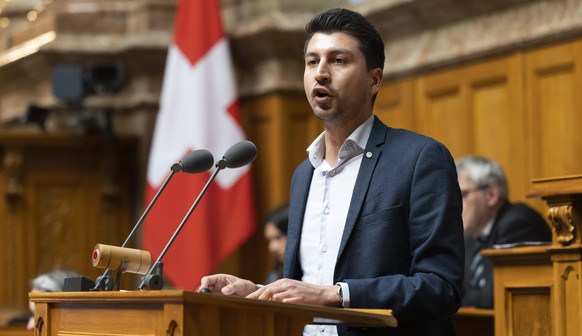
{"points": [[490, 219]]}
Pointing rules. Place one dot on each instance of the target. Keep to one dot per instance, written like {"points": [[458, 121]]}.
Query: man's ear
{"points": [[493, 197], [376, 76]]}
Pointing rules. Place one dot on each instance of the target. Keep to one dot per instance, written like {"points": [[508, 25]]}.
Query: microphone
{"points": [[238, 155], [197, 161], [127, 259]]}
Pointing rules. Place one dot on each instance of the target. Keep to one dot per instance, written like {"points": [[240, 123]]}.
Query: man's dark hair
{"points": [[280, 217], [340, 20]]}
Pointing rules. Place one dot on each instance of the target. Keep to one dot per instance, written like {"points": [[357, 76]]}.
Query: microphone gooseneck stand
{"points": [[195, 162], [105, 282], [155, 280], [238, 155]]}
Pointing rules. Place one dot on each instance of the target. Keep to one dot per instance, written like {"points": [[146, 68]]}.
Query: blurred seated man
{"points": [[48, 282], [275, 230], [490, 219]]}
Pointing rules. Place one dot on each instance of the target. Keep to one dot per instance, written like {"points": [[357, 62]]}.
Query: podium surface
{"points": [[177, 312]]}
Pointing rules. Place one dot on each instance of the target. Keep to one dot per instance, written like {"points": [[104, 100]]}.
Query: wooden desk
{"points": [[475, 322], [176, 312]]}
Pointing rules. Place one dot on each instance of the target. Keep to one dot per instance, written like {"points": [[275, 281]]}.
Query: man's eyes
{"points": [[337, 60]]}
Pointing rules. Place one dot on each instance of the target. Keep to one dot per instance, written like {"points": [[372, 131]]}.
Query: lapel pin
{"points": [[369, 155]]}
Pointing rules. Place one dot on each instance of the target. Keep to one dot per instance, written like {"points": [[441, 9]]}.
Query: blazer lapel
{"points": [[299, 193], [369, 161]]}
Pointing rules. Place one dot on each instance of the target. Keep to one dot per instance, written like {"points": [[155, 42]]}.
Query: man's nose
{"points": [[322, 72]]}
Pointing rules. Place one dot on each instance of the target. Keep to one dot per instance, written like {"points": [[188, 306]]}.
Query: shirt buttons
{"points": [[324, 248], [327, 211]]}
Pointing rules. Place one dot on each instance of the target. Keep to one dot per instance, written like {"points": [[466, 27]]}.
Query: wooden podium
{"points": [[538, 289], [177, 312]]}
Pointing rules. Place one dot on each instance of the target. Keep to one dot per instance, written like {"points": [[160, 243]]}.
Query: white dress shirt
{"points": [[327, 208]]}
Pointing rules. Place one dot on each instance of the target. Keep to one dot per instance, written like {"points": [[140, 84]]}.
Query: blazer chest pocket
{"points": [[391, 214]]}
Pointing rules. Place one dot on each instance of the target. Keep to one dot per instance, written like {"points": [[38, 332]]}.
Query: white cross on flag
{"points": [[198, 110]]}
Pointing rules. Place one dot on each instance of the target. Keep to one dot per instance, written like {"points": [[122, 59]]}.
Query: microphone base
{"points": [[78, 284], [104, 283], [153, 281]]}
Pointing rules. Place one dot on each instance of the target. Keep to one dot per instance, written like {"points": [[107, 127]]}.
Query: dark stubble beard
{"points": [[330, 118]]}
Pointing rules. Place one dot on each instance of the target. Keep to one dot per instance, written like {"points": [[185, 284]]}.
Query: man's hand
{"points": [[294, 291], [228, 285]]}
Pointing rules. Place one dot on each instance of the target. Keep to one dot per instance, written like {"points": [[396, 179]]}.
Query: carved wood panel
{"points": [[61, 195]]}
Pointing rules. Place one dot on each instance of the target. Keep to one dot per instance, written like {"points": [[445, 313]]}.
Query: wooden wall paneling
{"points": [[280, 125], [496, 90], [304, 127], [265, 129], [395, 104], [115, 166], [478, 109], [13, 260], [554, 79], [259, 117], [59, 221], [115, 215], [60, 213], [442, 110]]}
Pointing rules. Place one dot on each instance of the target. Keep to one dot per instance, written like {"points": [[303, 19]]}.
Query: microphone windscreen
{"points": [[240, 154], [115, 257], [197, 161]]}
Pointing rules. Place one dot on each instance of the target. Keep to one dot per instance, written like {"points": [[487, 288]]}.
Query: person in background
{"points": [[48, 282], [275, 230], [375, 212], [490, 219]]}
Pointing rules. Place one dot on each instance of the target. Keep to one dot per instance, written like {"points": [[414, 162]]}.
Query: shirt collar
{"points": [[487, 229], [353, 146]]}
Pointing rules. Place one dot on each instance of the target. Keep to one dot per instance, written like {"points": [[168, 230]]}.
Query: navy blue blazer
{"points": [[402, 246]]}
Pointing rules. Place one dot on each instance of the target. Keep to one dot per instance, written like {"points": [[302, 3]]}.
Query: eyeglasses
{"points": [[466, 192]]}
